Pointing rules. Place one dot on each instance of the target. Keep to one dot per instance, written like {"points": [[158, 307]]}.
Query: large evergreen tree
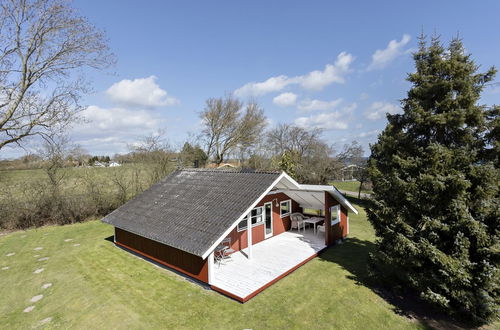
{"points": [[435, 175]]}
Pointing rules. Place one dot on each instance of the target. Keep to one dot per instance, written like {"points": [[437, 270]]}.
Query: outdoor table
{"points": [[314, 221]]}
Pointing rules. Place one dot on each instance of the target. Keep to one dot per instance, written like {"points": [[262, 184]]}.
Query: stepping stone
{"points": [[29, 309], [46, 286], [43, 259], [38, 248], [10, 254], [5, 268], [47, 320], [77, 244], [38, 271], [36, 298], [68, 239]]}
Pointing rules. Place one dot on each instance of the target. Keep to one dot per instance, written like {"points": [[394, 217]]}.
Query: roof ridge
{"points": [[224, 170]]}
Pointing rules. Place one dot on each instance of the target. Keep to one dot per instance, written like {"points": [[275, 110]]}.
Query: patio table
{"points": [[314, 221]]}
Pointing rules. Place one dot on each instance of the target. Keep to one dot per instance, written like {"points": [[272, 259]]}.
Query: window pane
{"points": [[256, 212], [256, 219], [285, 207], [242, 224]]}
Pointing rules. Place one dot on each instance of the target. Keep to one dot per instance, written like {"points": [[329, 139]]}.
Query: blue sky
{"points": [[335, 65]]}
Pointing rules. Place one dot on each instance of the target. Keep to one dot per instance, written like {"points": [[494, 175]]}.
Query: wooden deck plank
{"points": [[271, 259]]}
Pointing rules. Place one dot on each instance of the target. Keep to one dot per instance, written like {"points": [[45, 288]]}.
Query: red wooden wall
{"points": [[181, 261], [239, 240], [339, 230]]}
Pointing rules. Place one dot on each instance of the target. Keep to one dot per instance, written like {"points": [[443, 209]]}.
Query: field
{"points": [[73, 178], [97, 285], [29, 198]]}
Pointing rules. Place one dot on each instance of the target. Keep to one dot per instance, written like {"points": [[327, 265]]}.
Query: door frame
{"points": [[266, 235]]}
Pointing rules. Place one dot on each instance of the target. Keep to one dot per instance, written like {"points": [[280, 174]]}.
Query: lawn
{"points": [[349, 186], [97, 285]]}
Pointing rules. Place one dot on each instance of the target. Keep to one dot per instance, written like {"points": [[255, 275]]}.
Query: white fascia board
{"points": [[211, 248], [333, 191], [338, 196]]}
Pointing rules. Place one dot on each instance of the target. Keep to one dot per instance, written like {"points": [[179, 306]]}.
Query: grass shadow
{"points": [[353, 255]]}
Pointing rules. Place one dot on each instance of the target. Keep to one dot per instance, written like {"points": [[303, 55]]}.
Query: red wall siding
{"points": [[338, 230], [181, 261], [280, 225]]}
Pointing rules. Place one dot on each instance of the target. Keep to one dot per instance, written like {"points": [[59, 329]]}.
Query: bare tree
{"points": [[302, 153], [54, 152], [229, 125], [154, 153], [44, 44], [292, 138]]}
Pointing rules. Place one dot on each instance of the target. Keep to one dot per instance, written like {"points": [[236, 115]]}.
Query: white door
{"points": [[268, 219]]}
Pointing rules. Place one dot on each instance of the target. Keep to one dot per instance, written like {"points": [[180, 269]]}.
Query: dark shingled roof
{"points": [[190, 209]]}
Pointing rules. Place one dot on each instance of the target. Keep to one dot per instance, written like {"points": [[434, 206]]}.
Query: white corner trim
{"points": [[213, 246], [211, 268]]}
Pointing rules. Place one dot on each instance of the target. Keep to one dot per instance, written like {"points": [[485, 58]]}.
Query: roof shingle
{"points": [[190, 209]]}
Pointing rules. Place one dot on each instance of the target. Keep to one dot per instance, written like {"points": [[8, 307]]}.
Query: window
{"points": [[285, 208], [334, 214], [255, 216]]}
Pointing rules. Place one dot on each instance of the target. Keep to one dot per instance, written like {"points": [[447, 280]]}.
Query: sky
{"points": [[338, 66]]}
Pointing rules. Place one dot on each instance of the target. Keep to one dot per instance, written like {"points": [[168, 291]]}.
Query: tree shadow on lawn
{"points": [[352, 255]]}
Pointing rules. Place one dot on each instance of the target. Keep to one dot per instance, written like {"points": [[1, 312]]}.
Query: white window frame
{"points": [[335, 210], [261, 222], [289, 201]]}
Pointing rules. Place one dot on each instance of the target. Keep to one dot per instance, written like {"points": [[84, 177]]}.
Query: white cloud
{"points": [[141, 92], [378, 110], [113, 129], [382, 57], [317, 80], [314, 80], [110, 120], [327, 121], [285, 99], [311, 105], [273, 84]]}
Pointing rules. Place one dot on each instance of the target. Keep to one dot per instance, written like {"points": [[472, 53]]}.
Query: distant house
{"points": [[99, 164], [237, 231], [349, 172], [114, 164]]}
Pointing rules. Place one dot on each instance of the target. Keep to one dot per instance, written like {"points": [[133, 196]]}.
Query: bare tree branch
{"points": [[44, 44], [227, 126]]}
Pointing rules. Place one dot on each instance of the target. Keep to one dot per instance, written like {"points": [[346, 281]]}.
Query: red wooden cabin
{"points": [[187, 219]]}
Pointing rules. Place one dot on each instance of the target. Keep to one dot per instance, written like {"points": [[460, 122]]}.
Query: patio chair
{"points": [[298, 221], [320, 228], [223, 251]]}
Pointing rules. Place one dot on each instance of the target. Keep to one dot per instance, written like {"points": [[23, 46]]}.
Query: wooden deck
{"points": [[242, 278]]}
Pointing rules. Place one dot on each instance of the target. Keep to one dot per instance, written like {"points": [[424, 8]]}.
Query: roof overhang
{"points": [[309, 196], [316, 190]]}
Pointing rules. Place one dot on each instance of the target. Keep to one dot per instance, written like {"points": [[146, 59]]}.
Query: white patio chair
{"points": [[320, 228], [297, 220]]}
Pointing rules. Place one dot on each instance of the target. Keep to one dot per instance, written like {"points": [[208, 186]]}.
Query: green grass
{"points": [[97, 285], [349, 186]]}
